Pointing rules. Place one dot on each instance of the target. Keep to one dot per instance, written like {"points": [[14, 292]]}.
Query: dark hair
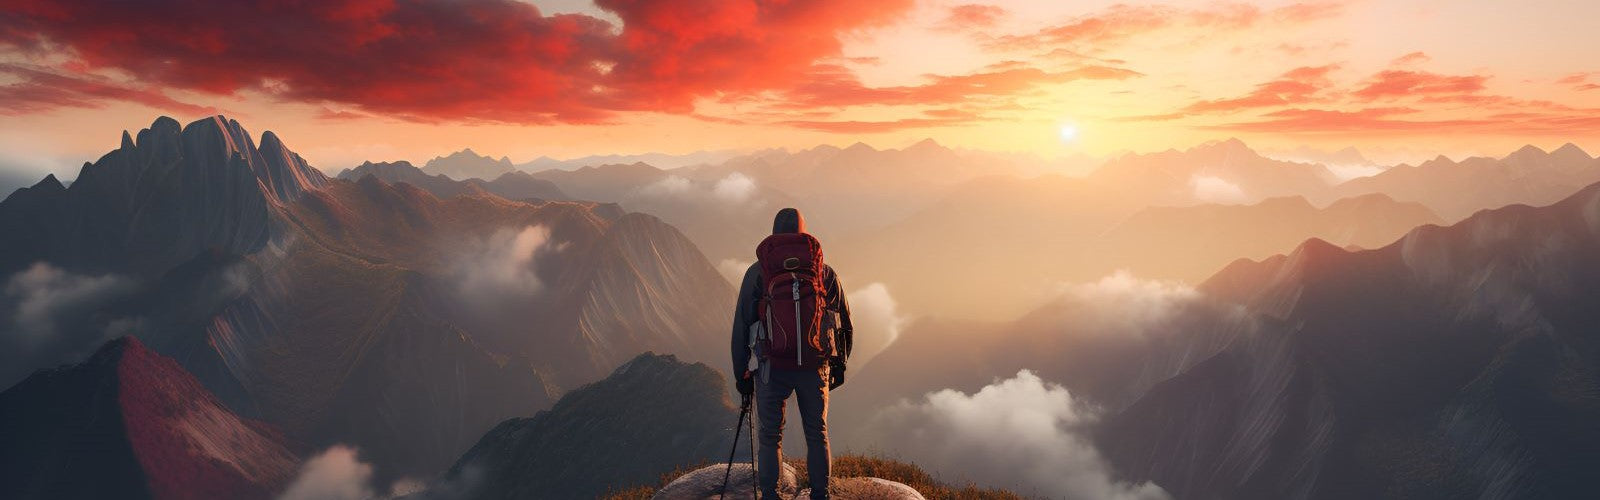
{"points": [[788, 220]]}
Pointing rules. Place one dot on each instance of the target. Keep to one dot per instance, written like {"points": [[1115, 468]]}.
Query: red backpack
{"points": [[793, 304]]}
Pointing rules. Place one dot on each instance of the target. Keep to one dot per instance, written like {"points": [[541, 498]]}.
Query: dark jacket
{"points": [[744, 313]]}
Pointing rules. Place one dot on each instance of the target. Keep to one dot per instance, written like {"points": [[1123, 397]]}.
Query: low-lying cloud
{"points": [[877, 319], [734, 189], [1213, 189], [1021, 433], [504, 263], [339, 474], [1126, 305], [50, 317]]}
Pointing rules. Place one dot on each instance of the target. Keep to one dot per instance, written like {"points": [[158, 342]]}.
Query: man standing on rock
{"points": [[791, 334]]}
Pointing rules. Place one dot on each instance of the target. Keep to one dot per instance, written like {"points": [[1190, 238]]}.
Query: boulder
{"points": [[705, 482], [865, 488]]}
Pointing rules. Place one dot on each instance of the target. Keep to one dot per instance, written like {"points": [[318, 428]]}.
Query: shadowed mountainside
{"points": [[652, 415], [128, 423], [1457, 362]]}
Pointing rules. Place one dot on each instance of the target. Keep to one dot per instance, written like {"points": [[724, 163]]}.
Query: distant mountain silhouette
{"points": [[366, 313], [510, 185], [1457, 189], [129, 423], [1225, 171], [859, 187], [1346, 156], [1056, 229], [724, 214], [466, 164], [1193, 242], [668, 161], [1457, 362], [650, 416]]}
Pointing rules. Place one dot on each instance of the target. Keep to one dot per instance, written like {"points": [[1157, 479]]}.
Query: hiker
{"points": [[791, 334]]}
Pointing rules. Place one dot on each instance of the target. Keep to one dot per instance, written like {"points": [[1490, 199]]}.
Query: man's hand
{"points": [[835, 374], [746, 384]]}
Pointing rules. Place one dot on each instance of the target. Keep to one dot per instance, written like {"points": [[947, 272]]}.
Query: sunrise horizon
{"points": [[989, 249], [999, 77]]}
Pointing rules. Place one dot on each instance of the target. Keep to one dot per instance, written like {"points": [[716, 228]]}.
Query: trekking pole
{"points": [[744, 410], [755, 477]]}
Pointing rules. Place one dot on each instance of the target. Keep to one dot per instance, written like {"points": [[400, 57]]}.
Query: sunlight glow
{"points": [[1069, 133]]}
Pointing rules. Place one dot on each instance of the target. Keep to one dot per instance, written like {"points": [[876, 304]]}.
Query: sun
{"points": [[1069, 133]]}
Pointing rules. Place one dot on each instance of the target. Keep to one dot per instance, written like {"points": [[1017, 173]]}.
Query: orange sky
{"points": [[351, 80]]}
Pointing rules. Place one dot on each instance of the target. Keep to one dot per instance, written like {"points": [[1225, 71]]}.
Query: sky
{"points": [[343, 81]]}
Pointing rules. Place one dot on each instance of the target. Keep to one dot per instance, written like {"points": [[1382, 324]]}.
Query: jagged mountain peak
{"points": [[49, 184], [162, 197]]}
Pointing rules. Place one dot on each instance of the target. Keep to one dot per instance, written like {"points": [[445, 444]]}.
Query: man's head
{"points": [[788, 220]]}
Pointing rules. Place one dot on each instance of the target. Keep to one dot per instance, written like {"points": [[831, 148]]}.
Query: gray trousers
{"points": [[810, 388]]}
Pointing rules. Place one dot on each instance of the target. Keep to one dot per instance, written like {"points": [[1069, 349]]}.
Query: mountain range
{"points": [[1455, 190], [357, 312], [467, 164], [667, 161], [198, 311], [1136, 213], [1456, 362], [510, 185]]}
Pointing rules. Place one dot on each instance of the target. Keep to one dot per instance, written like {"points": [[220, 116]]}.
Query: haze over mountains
{"points": [[890, 214], [1529, 176], [484, 334]]}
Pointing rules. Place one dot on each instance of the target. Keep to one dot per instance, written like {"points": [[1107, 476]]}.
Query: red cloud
{"points": [[1122, 22], [40, 90], [970, 16], [1398, 83], [1319, 121], [873, 127], [1327, 121], [1297, 86], [1573, 79], [499, 60], [1410, 59], [834, 86]]}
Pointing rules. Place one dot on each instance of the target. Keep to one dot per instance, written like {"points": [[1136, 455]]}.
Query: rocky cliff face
{"points": [[156, 202], [1457, 362], [129, 423]]}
